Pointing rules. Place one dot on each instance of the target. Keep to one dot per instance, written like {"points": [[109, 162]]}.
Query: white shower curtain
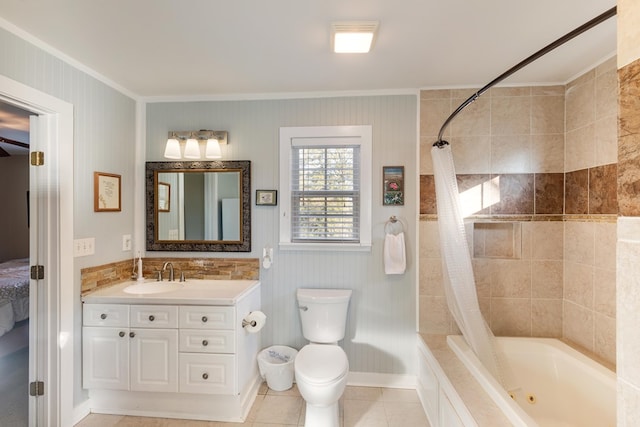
{"points": [[459, 282]]}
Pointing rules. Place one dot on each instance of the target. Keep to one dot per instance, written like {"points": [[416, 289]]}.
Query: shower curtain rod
{"points": [[562, 40]]}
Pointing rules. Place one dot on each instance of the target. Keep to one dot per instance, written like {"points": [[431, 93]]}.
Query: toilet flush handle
{"points": [[303, 307]]}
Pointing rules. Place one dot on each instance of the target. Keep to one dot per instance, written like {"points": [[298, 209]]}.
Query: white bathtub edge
{"points": [[512, 411]]}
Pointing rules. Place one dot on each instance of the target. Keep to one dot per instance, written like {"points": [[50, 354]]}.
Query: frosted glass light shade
{"points": [[192, 149], [213, 149], [172, 149], [354, 42]]}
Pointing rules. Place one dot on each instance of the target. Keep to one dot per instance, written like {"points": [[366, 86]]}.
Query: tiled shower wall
{"points": [[556, 198]]}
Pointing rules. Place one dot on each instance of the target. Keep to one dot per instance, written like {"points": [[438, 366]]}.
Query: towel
{"points": [[395, 261]]}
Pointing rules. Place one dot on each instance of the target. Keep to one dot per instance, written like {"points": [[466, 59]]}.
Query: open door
{"points": [[51, 255]]}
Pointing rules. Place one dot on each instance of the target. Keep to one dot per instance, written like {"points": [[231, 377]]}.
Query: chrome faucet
{"points": [[164, 268]]}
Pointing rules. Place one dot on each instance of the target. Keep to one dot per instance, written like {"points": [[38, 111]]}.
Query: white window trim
{"points": [[360, 135]]}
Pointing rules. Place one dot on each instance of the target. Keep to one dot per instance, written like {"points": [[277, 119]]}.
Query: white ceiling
{"points": [[199, 48]]}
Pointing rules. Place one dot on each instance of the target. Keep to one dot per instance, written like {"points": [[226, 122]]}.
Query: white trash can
{"points": [[276, 366]]}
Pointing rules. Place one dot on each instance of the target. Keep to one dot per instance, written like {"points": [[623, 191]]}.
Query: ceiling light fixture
{"points": [[353, 37], [192, 139]]}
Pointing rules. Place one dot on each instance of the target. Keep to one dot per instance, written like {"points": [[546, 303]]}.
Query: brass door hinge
{"points": [[36, 388], [37, 158], [37, 272]]}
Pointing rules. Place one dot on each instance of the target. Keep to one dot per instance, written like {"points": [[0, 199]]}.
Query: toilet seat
{"points": [[321, 364]]}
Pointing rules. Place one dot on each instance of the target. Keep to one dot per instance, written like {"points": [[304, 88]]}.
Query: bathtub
{"points": [[558, 386]]}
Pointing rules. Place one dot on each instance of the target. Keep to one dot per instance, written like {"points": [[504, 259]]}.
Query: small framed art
{"points": [[267, 197], [164, 197], [393, 185], [106, 192]]}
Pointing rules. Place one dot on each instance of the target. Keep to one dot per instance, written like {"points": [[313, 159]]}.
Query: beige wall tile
{"points": [[604, 289], [579, 242], [580, 105], [434, 315], [433, 113], [605, 247], [511, 115], [471, 154], [605, 337], [511, 154], [547, 114], [547, 279], [503, 91], [628, 36], [426, 162], [511, 317], [606, 140], [607, 94], [580, 148], [547, 240], [475, 119], [546, 318], [628, 301], [429, 239], [557, 90], [578, 325], [511, 278], [431, 277], [578, 284], [628, 404], [547, 153]]}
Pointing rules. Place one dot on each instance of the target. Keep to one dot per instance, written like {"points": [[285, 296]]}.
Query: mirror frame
{"points": [[151, 172]]}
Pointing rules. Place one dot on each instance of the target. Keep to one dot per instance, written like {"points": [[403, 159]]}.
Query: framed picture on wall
{"points": [[392, 185], [106, 192], [267, 197], [164, 197]]}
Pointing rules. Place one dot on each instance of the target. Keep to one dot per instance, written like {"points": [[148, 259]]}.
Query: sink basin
{"points": [[153, 287]]}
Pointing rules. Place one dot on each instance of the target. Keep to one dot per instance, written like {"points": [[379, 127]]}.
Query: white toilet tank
{"points": [[323, 313]]}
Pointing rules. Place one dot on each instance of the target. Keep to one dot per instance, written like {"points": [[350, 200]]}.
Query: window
{"points": [[325, 182]]}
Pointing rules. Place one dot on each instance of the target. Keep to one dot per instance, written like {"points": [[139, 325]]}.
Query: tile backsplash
{"points": [[193, 268]]}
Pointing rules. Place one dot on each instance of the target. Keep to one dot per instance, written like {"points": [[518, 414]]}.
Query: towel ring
{"points": [[393, 225]]}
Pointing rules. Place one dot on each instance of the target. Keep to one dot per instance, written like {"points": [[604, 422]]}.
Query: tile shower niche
{"points": [[498, 240]]}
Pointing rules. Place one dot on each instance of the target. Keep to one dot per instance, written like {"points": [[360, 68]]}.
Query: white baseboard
{"points": [[81, 411], [372, 379]]}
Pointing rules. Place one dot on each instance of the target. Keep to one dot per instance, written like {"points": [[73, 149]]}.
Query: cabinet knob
{"points": [[204, 319], [132, 334], [103, 316], [205, 376], [205, 343], [151, 318], [122, 334]]}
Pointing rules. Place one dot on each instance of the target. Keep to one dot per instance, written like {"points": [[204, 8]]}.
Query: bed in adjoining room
{"points": [[14, 293]]}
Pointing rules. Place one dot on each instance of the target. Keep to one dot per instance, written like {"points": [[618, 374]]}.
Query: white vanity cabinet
{"points": [[179, 354], [130, 347]]}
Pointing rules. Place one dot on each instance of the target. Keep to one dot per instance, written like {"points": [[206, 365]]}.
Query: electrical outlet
{"points": [[84, 247], [126, 242]]}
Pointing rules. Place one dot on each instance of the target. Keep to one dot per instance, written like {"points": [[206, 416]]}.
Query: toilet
{"points": [[321, 367]]}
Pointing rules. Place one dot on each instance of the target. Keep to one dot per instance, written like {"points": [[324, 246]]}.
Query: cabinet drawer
{"points": [[207, 341], [105, 315], [154, 316], [207, 373], [206, 317]]}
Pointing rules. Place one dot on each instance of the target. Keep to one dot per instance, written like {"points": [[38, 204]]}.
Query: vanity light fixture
{"points": [[353, 36], [192, 146]]}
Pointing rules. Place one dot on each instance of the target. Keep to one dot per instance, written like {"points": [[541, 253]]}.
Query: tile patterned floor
{"points": [[359, 407]]}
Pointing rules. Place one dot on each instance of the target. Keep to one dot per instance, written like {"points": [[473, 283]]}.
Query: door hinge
{"points": [[37, 272], [36, 388], [37, 158]]}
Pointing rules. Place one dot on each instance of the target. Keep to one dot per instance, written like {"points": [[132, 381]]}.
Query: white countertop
{"points": [[193, 292]]}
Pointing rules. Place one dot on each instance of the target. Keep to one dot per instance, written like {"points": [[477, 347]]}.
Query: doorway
{"points": [[14, 265], [51, 296]]}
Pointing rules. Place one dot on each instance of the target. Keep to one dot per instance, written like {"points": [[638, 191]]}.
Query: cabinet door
{"points": [[105, 354], [154, 359]]}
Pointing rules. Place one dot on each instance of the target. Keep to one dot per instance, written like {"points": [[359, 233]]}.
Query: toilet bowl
{"points": [[321, 367]]}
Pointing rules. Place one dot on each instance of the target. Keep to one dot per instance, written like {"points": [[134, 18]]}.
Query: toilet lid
{"points": [[317, 363]]}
